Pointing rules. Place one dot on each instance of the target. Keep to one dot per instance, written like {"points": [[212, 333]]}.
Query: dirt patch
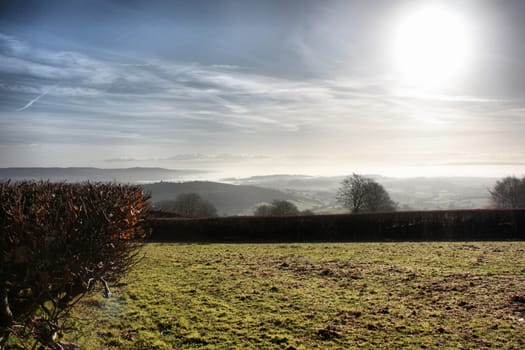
{"points": [[327, 269], [348, 316], [329, 332], [450, 283]]}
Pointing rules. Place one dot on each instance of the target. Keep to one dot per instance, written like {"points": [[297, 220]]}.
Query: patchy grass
{"points": [[314, 296]]}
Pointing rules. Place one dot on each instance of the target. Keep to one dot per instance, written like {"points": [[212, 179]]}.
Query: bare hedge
{"points": [[58, 241]]}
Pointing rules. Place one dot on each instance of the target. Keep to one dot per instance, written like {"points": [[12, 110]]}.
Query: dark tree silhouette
{"points": [[509, 193], [277, 208], [361, 194], [189, 205], [263, 210]]}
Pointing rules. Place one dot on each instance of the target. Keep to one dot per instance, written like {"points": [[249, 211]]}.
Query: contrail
{"points": [[30, 103]]}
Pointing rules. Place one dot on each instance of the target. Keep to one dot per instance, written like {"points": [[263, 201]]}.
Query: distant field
{"points": [[314, 296]]}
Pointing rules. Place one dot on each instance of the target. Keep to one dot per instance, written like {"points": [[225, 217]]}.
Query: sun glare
{"points": [[431, 47]]}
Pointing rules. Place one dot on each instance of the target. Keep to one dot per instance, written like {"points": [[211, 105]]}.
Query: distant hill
{"points": [[229, 199], [418, 193], [125, 175]]}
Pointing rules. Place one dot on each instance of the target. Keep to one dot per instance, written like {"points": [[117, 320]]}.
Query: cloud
{"points": [[208, 112], [195, 157], [30, 103], [191, 98]]}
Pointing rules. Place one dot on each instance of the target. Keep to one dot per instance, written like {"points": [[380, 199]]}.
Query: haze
{"points": [[243, 88]]}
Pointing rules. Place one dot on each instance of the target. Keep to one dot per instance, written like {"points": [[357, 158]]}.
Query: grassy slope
{"points": [[314, 296]]}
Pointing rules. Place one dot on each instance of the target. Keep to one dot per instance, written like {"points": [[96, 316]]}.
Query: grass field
{"points": [[314, 296]]}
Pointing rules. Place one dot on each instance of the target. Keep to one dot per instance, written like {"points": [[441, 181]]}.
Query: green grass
{"points": [[313, 296]]}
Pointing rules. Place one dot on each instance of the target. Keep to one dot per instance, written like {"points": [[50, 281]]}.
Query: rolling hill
{"points": [[229, 199]]}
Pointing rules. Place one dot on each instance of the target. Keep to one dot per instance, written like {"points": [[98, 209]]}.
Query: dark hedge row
{"points": [[457, 225]]}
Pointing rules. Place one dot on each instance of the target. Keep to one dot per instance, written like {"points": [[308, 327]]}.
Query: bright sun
{"points": [[431, 47]]}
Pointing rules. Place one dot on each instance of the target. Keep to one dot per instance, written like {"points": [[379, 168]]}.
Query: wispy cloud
{"points": [[206, 113], [31, 102]]}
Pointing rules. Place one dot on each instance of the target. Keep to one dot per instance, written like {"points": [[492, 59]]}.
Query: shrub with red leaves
{"points": [[59, 241]]}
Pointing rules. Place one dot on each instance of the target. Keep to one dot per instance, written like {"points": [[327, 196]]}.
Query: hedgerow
{"points": [[446, 225], [59, 241]]}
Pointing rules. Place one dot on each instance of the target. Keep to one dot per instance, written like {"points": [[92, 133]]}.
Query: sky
{"points": [[243, 88]]}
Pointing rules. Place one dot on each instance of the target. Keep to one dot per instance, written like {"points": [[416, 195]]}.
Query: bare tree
{"points": [[508, 193], [361, 194], [351, 194]]}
